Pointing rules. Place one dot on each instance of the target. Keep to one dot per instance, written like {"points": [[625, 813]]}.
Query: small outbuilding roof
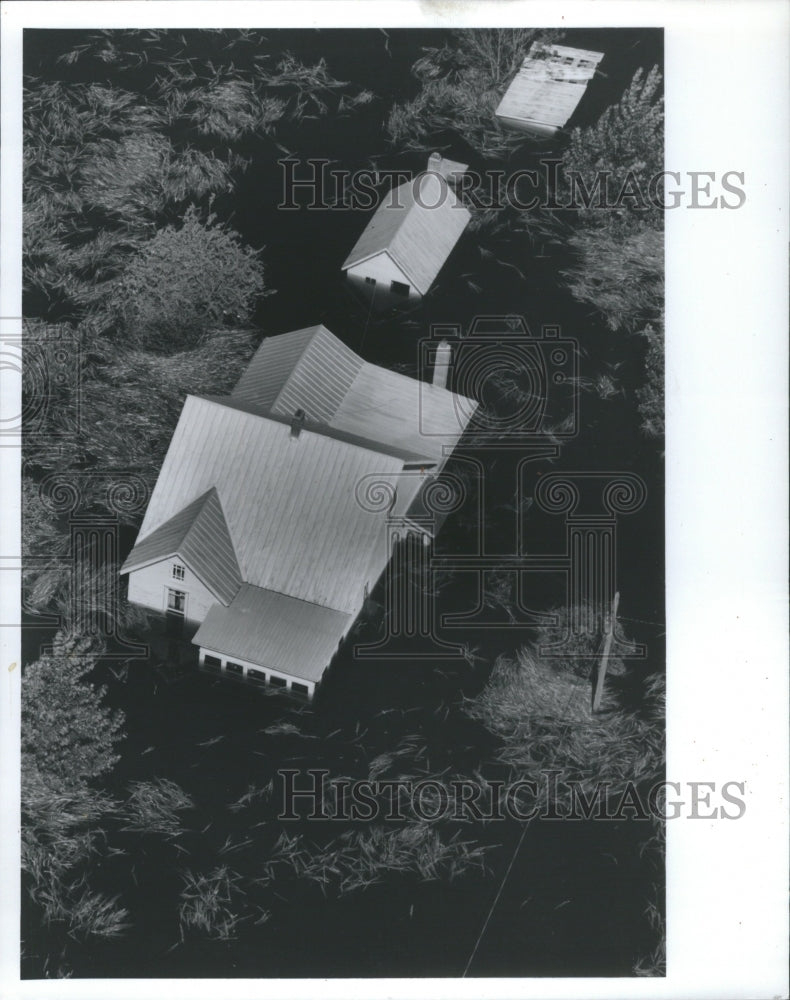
{"points": [[199, 536], [275, 631], [549, 85], [417, 225]]}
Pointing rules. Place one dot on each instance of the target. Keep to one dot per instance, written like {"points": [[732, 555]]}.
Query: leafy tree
{"points": [[627, 141], [69, 740], [108, 164], [183, 283], [618, 264], [67, 733]]}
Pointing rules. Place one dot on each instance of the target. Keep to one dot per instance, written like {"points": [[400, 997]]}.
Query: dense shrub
{"points": [[184, 282]]}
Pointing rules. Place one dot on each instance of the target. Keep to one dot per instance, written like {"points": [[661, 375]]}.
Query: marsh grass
{"points": [[154, 807], [283, 728], [97, 915], [361, 858], [208, 903], [542, 712], [253, 796]]}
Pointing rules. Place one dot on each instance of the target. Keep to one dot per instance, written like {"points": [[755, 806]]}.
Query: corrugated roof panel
{"points": [[166, 539], [549, 85], [291, 508], [415, 416], [271, 366], [430, 231], [321, 378], [275, 631], [418, 224], [373, 405], [335, 433], [547, 103], [208, 549]]}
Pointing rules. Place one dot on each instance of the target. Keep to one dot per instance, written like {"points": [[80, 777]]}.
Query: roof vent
{"points": [[297, 423]]}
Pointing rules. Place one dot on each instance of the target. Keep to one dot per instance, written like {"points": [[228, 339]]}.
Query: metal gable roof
{"points": [[199, 535], [417, 225], [401, 414], [406, 456], [291, 504], [275, 631], [309, 369]]}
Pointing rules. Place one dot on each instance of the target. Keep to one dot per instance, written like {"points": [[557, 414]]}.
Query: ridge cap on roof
{"points": [[320, 430]]}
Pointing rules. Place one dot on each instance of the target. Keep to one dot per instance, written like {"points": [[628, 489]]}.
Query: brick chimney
{"points": [[441, 365]]}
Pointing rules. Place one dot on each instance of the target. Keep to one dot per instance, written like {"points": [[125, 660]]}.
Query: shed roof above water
{"points": [[275, 631], [549, 85], [417, 225]]}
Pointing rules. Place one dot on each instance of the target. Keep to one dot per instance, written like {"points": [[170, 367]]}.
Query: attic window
{"points": [[178, 571], [399, 288]]}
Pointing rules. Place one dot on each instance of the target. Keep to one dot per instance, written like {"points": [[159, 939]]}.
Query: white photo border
{"points": [[726, 470]]}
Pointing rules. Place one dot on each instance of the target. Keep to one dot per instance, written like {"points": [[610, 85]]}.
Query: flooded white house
{"points": [[258, 533], [547, 88], [412, 233]]}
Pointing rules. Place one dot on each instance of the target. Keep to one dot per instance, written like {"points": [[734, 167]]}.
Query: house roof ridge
{"points": [[321, 429]]}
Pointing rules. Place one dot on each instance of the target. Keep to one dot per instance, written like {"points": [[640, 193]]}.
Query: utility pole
{"points": [[607, 646]]}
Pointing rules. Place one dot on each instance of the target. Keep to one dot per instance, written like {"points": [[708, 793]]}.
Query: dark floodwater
{"points": [[574, 901]]}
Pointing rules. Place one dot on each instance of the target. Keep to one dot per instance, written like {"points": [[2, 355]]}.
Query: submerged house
{"points": [[547, 88], [258, 532], [409, 238]]}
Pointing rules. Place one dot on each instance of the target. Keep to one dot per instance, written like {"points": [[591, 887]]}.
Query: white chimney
{"points": [[451, 170], [441, 366]]}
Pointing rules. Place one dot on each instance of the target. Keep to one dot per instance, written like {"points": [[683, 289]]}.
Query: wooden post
{"points": [[605, 656]]}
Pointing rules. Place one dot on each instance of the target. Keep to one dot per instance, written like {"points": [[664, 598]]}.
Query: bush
{"points": [[67, 733], [68, 741], [186, 282]]}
